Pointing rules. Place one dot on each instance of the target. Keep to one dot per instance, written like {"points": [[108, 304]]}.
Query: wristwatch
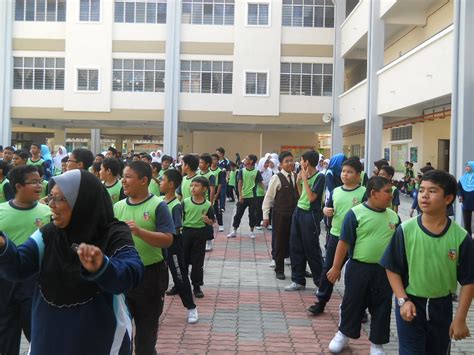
{"points": [[402, 301]]}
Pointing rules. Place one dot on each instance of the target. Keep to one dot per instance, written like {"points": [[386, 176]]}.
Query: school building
{"points": [[189, 75]]}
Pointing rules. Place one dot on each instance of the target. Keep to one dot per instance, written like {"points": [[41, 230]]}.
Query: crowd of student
{"points": [[86, 255]]}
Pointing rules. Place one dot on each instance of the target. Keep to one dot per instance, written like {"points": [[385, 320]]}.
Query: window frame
{"points": [[254, 71], [224, 3], [33, 68], [212, 72], [35, 12], [258, 3], [144, 71], [88, 68], [145, 19], [326, 4], [322, 76], [89, 21]]}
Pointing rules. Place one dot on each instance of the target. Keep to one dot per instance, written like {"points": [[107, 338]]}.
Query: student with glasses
{"points": [[80, 158]]}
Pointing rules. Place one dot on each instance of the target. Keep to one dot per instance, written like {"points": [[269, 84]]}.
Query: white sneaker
{"points": [[259, 228], [376, 349], [252, 236], [209, 245], [193, 316], [232, 234], [287, 261], [272, 264], [269, 227], [221, 228], [338, 343], [294, 287]]}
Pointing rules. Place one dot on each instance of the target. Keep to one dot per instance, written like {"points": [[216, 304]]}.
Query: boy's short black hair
{"points": [[388, 169], [142, 169], [10, 148], [136, 155], [375, 183], [4, 167], [156, 165], [221, 150], [410, 164], [381, 162], [206, 158], [65, 159], [18, 175], [113, 150], [253, 158], [283, 155], [166, 158], [354, 163], [215, 156], [147, 157], [174, 176], [312, 157], [23, 154], [444, 180], [113, 164], [35, 145], [202, 180], [84, 156], [192, 161], [96, 166], [100, 155]]}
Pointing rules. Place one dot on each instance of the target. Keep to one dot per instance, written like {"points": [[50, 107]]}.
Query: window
{"points": [[257, 14], [40, 10], [144, 11], [307, 79], [89, 10], [208, 12], [206, 77], [308, 13], [138, 75], [38, 73], [256, 83], [401, 133], [88, 79]]}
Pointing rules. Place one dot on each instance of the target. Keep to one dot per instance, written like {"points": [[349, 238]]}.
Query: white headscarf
{"points": [[157, 157], [276, 164], [266, 173], [60, 154]]}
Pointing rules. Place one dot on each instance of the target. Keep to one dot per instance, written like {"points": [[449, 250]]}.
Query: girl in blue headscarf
{"points": [[333, 174], [466, 195], [48, 162]]}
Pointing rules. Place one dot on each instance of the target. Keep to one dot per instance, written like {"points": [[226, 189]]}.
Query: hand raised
{"points": [[91, 257]]}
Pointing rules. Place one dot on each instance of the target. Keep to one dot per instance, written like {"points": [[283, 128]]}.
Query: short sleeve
{"points": [[258, 177], [177, 215], [221, 178], [395, 258], [396, 198], [212, 180], [349, 228], [164, 221], [318, 185], [465, 268], [210, 213]]}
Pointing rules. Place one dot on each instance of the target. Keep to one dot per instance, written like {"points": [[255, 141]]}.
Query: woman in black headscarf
{"points": [[86, 260]]}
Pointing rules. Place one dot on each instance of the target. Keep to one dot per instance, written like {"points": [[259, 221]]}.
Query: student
{"points": [[267, 173], [111, 153], [305, 225], [205, 162], [333, 173], [340, 202], [109, 174], [6, 192], [48, 165], [224, 165], [146, 158], [366, 232], [44, 184], [166, 161], [188, 169], [64, 164], [80, 158], [19, 218], [175, 253], [35, 158], [197, 216], [249, 178], [20, 157], [95, 168], [231, 182], [152, 229], [220, 176], [154, 186], [426, 258], [282, 195], [466, 195], [388, 172], [8, 154], [99, 158]]}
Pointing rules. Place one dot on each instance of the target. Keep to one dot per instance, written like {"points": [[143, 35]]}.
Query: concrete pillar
{"points": [[60, 137], [462, 110], [338, 77], [6, 25], [375, 51], [119, 144], [172, 66], [188, 141], [95, 140]]}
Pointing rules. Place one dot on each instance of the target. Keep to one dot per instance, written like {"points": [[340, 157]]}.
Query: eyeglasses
{"points": [[33, 182], [56, 199]]}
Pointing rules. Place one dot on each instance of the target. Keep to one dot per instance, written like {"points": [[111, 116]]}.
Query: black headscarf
{"points": [[92, 222]]}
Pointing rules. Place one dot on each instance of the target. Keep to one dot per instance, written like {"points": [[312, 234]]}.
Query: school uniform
{"points": [[219, 178], [224, 165], [396, 197], [6, 192], [184, 190], [250, 179], [430, 265], [116, 192]]}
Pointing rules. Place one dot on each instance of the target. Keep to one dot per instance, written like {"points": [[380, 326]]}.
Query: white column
{"points": [[172, 66], [95, 140], [6, 24], [462, 110], [375, 51], [338, 77]]}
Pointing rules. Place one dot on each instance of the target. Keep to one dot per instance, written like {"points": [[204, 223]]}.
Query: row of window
{"points": [[296, 13], [197, 76]]}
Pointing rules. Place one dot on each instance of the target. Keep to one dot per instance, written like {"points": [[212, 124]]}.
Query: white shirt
{"points": [[273, 187]]}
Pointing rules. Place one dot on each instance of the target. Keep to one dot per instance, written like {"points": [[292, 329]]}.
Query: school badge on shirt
{"points": [[38, 222], [146, 216], [392, 225], [452, 254], [355, 201]]}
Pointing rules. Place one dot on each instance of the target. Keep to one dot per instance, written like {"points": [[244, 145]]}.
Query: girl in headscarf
{"points": [[48, 165], [333, 174], [466, 195], [267, 173], [85, 260], [274, 164], [60, 154]]}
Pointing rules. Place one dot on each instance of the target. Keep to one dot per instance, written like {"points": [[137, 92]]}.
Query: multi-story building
{"points": [[252, 76]]}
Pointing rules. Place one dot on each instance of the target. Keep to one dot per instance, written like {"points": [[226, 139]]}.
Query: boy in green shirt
{"points": [[205, 162], [198, 218], [19, 218], [426, 258], [248, 180], [109, 174], [388, 172], [20, 157], [220, 176], [152, 230], [166, 161], [6, 192], [340, 201], [366, 231], [35, 159], [231, 182], [188, 169], [154, 186]]}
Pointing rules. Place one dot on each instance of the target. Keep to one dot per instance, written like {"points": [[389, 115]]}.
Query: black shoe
{"points": [[365, 318], [317, 308], [198, 292], [172, 291], [280, 276], [308, 274]]}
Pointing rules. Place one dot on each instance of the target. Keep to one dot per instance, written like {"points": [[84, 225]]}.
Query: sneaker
{"points": [[252, 236], [272, 264], [232, 234], [338, 343], [172, 291], [221, 228], [193, 316], [280, 276], [376, 349], [294, 287], [287, 261], [259, 228], [317, 308], [269, 227], [209, 245], [198, 292]]}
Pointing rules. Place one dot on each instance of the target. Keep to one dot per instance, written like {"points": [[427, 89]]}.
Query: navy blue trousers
{"points": [[325, 287]]}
